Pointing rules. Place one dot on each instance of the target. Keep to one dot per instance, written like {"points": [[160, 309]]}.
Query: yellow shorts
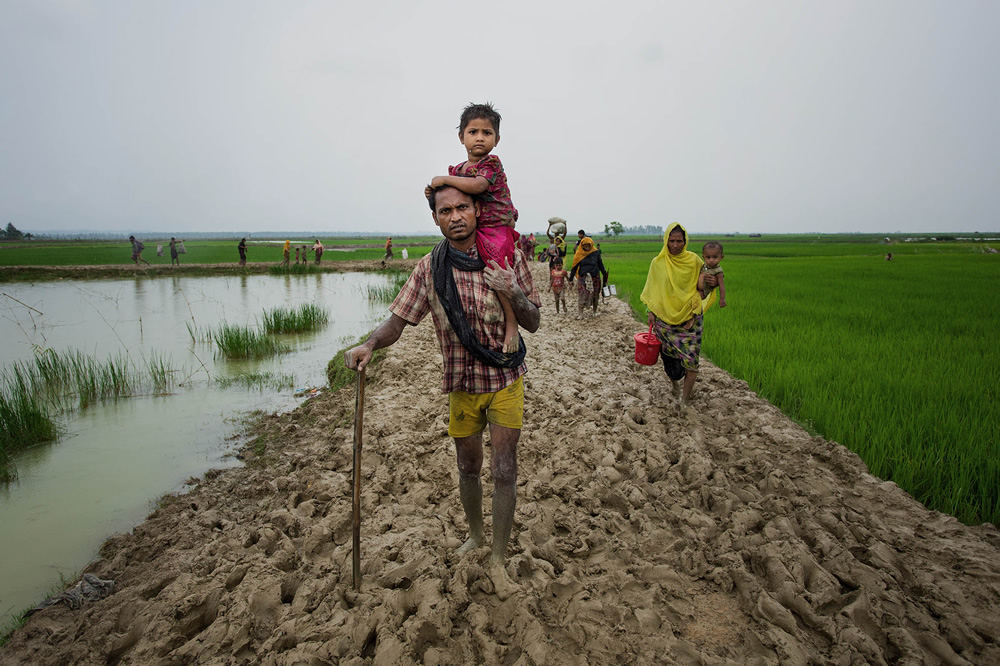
{"points": [[468, 413]]}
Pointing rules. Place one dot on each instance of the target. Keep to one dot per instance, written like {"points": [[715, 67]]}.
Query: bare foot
{"points": [[471, 544], [512, 344], [503, 586]]}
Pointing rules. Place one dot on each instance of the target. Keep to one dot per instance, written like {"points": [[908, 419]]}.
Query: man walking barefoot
{"points": [[484, 385]]}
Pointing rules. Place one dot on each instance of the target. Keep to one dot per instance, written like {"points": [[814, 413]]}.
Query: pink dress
{"points": [[494, 240]]}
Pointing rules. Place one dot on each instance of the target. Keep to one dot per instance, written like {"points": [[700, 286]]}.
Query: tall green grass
{"points": [[386, 293], [306, 317], [235, 342], [892, 359], [23, 421], [33, 392]]}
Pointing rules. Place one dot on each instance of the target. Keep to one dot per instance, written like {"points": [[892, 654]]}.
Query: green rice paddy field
{"points": [[895, 360]]}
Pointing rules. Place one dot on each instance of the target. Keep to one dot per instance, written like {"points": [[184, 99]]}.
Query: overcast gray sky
{"points": [[246, 116]]}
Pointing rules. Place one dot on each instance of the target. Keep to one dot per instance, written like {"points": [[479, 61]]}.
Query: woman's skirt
{"points": [[680, 342], [588, 290]]}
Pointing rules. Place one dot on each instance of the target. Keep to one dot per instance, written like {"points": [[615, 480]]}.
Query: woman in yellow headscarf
{"points": [[675, 308], [587, 264]]}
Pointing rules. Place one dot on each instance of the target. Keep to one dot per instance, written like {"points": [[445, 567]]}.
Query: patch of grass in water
{"points": [[245, 342], [198, 334], [386, 293], [32, 392], [25, 421], [306, 317], [160, 373], [258, 380]]}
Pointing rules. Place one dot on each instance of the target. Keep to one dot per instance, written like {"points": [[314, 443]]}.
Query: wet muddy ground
{"points": [[718, 534]]}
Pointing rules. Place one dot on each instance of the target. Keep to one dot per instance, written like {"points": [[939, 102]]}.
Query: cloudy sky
{"points": [[242, 115]]}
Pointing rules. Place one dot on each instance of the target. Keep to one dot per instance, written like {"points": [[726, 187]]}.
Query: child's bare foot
{"points": [[512, 343]]}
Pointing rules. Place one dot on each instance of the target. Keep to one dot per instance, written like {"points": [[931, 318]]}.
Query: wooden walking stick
{"points": [[359, 417]]}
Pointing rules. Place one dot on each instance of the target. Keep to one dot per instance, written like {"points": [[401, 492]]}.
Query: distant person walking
{"points": [[286, 253], [242, 247], [137, 248], [388, 248], [675, 308], [589, 267], [317, 250], [174, 257]]}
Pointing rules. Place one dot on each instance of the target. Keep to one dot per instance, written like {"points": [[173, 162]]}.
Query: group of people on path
{"points": [[176, 249], [588, 268], [476, 287], [300, 251]]}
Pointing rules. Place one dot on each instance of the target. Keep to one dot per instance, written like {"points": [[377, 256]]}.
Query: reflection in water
{"points": [[115, 458]]}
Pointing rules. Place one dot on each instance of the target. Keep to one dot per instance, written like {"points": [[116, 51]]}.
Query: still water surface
{"points": [[114, 459]]}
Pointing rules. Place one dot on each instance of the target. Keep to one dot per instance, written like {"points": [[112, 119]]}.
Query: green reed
{"points": [[159, 372], [198, 334], [387, 293], [258, 380], [24, 421], [244, 342], [305, 317], [33, 392]]}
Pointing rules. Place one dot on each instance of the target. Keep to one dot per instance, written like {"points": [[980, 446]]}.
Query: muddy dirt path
{"points": [[720, 534]]}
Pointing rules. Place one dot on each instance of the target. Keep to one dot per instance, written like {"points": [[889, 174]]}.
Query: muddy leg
{"points": [[470, 487], [503, 467], [689, 379]]}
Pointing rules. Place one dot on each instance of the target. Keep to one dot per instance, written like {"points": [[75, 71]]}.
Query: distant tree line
{"points": [[13, 233], [648, 229]]}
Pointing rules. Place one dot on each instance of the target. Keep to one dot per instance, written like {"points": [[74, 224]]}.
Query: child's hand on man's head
{"points": [[437, 181]]}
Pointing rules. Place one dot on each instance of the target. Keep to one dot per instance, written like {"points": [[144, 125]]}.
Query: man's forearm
{"points": [[386, 333]]}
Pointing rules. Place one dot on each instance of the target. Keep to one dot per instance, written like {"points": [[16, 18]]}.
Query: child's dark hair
{"points": [[711, 245], [557, 260], [477, 111]]}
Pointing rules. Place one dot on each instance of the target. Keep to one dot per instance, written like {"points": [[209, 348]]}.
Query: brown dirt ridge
{"points": [[76, 272], [723, 534]]}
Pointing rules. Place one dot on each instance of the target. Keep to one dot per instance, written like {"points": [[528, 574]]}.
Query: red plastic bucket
{"points": [[647, 348]]}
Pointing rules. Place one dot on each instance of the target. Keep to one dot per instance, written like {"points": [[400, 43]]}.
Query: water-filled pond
{"points": [[113, 459]]}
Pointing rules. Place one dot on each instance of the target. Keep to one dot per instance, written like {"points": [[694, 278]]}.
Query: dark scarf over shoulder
{"points": [[443, 258]]}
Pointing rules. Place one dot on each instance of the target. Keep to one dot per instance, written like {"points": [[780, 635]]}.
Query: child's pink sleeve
{"points": [[489, 168]]}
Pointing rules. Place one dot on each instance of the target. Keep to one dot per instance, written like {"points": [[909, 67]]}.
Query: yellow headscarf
{"points": [[288, 244], [671, 291], [580, 252]]}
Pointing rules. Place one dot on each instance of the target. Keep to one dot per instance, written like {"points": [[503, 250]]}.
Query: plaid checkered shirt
{"points": [[462, 370]]}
